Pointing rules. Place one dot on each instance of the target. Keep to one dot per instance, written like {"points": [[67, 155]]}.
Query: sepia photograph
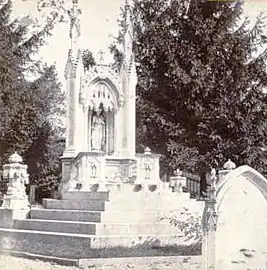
{"points": [[133, 134]]}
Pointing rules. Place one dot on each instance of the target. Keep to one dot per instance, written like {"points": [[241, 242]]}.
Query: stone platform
{"points": [[100, 224]]}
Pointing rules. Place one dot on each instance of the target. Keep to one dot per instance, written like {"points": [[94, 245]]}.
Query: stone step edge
{"points": [[31, 256], [87, 263], [157, 210], [90, 223], [80, 235], [65, 210], [57, 221]]}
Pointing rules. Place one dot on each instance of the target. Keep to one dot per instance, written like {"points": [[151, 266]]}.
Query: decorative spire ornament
{"points": [[75, 25]]}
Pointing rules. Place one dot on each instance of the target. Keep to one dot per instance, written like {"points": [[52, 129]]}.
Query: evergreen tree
{"points": [[201, 80], [28, 108]]}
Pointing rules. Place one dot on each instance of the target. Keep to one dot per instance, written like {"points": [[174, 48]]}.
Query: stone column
{"points": [[102, 180], [16, 199], [66, 175], [131, 130], [71, 117], [209, 226], [118, 131], [148, 166]]}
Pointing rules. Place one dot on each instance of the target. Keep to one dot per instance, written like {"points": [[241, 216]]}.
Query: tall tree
{"points": [[28, 108], [201, 80]]}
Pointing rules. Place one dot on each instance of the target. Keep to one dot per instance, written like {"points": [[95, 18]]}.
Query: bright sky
{"points": [[98, 26]]}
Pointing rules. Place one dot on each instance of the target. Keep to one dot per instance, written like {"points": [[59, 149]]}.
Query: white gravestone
{"points": [[241, 235]]}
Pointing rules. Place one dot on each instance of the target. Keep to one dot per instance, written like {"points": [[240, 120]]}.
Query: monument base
{"points": [[102, 224]]}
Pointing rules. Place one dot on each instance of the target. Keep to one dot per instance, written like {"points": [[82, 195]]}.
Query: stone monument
{"points": [[234, 220], [101, 125]]}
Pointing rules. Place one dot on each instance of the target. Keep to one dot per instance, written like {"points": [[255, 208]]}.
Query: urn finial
{"points": [[229, 165], [15, 158]]}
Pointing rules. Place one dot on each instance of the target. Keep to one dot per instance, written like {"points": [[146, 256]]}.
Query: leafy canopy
{"points": [[201, 75]]}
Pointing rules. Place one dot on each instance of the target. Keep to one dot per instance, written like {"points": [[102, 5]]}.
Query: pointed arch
{"points": [[102, 91], [244, 172]]}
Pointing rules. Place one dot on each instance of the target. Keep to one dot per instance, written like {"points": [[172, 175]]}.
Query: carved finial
{"points": [[75, 26], [147, 151], [15, 158], [101, 56], [229, 165], [213, 177], [178, 172]]}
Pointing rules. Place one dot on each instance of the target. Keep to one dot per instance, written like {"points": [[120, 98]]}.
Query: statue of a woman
{"points": [[98, 131]]}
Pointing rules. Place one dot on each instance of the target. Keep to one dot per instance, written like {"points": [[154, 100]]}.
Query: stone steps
{"points": [[83, 246], [141, 206], [71, 215], [74, 204], [129, 216], [91, 205], [55, 226], [86, 195], [137, 228]]}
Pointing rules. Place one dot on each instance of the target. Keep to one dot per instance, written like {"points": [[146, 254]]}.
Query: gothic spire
{"points": [[128, 33]]}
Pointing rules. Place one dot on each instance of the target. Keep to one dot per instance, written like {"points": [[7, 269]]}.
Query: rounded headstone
{"points": [[15, 158]]}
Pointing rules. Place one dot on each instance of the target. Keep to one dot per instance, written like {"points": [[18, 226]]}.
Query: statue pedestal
{"points": [[15, 202]]}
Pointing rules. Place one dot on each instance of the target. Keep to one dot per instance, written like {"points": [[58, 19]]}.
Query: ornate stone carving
{"points": [[211, 219], [17, 176], [101, 85], [75, 24], [210, 216]]}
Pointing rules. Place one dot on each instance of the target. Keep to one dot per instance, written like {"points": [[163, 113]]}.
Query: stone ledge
{"points": [[87, 263], [31, 256]]}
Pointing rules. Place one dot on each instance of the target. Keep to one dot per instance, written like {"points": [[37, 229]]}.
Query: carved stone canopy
{"points": [[100, 87], [99, 95]]}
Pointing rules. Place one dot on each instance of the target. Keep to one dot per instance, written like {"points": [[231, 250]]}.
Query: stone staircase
{"points": [[99, 224]]}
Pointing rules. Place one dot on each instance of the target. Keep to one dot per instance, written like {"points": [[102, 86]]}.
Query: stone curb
{"points": [[99, 261], [132, 260], [25, 255]]}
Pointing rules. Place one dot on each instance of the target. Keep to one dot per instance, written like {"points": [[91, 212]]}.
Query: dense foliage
{"points": [[29, 108], [201, 75]]}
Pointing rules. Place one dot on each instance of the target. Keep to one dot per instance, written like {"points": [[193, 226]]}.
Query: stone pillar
{"points": [[71, 117], [177, 182], [15, 200], [118, 131], [209, 226], [66, 175], [102, 180], [131, 131], [227, 167], [147, 169]]}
